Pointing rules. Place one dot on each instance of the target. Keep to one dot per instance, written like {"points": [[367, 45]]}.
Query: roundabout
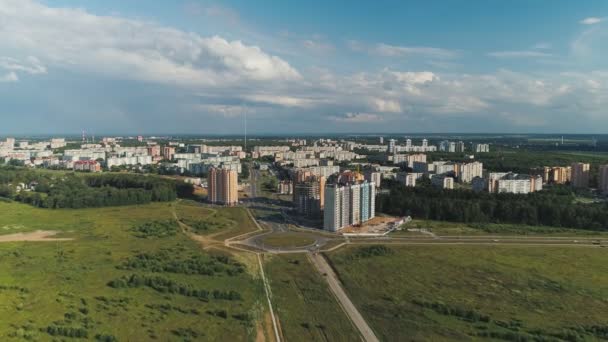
{"points": [[287, 240]]}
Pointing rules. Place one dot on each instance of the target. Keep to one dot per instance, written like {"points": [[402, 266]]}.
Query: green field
{"points": [[463, 293], [130, 274], [221, 223], [458, 228], [305, 307], [288, 240]]}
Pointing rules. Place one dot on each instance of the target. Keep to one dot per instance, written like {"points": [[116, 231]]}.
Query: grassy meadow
{"points": [[130, 274], [306, 308], [455, 293]]}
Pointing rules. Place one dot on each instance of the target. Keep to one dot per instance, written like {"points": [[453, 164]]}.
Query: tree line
{"points": [[70, 190], [555, 208]]}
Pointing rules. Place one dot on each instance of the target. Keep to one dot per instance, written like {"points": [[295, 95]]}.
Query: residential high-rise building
{"points": [[348, 204], [459, 147], [154, 150], [501, 182], [381, 140], [603, 179], [557, 174], [467, 171], [442, 181], [332, 217], [223, 186], [391, 146], [408, 143], [375, 177], [307, 197], [354, 203], [480, 148], [413, 158], [168, 152], [580, 175]]}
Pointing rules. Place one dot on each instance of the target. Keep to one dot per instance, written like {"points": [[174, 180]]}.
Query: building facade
{"points": [[580, 175], [223, 186], [348, 205]]}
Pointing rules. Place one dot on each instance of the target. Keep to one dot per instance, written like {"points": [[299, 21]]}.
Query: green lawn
{"points": [[463, 293], [63, 287], [288, 240], [305, 307]]}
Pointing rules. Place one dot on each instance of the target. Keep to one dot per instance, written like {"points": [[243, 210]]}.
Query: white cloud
{"points": [[386, 106], [30, 65], [519, 54], [318, 45], [591, 21], [387, 50], [351, 117], [10, 77], [229, 111], [132, 49], [286, 101]]}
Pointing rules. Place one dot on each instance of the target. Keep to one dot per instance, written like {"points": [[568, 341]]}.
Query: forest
{"points": [[555, 207], [69, 190]]}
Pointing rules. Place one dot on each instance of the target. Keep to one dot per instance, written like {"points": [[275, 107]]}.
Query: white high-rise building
{"points": [[347, 205], [355, 204], [391, 146], [332, 216], [467, 171], [10, 143]]}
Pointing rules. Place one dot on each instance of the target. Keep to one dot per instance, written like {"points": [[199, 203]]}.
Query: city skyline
{"points": [[197, 67]]}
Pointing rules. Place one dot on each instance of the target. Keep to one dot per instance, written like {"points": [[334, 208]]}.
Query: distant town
{"points": [[332, 183]]}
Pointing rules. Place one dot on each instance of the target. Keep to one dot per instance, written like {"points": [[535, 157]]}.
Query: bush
{"points": [[156, 229]]}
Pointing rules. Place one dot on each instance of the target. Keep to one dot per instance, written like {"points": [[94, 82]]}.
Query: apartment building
{"points": [[348, 204], [223, 186], [603, 179], [580, 175], [467, 171]]}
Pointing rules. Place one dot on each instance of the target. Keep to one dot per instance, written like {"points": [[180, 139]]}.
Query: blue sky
{"points": [[307, 66]]}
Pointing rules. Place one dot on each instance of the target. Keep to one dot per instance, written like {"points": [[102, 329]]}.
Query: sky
{"points": [[291, 67]]}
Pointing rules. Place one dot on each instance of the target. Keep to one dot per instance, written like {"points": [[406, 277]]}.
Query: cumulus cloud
{"points": [[133, 49], [230, 76], [386, 106], [591, 21]]}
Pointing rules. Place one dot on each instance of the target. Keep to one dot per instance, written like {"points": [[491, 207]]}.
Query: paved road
{"points": [[334, 284]]}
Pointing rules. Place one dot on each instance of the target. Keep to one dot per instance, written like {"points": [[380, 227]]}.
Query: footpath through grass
{"points": [[478, 292], [128, 275], [306, 308]]}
